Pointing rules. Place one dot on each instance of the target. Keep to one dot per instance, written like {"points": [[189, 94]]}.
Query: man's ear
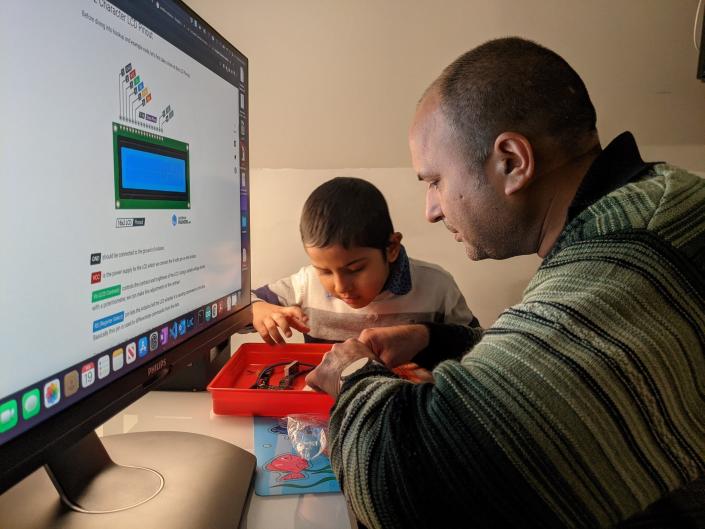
{"points": [[394, 247], [512, 159]]}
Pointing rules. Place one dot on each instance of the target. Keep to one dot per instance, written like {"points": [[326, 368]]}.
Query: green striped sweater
{"points": [[580, 407]]}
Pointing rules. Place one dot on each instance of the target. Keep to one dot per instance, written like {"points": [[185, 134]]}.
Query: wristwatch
{"points": [[353, 368]]}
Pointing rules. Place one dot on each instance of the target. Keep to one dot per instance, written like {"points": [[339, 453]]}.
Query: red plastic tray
{"points": [[230, 387]]}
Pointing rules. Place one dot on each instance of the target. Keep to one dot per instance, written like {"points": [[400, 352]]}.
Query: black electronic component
{"points": [[291, 371]]}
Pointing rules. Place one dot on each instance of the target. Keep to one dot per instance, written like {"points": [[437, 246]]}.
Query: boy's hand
{"points": [[396, 345], [268, 319]]}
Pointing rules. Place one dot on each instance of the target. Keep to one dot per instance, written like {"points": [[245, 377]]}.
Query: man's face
{"points": [[470, 204]]}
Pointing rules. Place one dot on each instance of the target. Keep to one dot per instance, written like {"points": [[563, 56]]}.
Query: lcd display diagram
{"points": [[151, 171]]}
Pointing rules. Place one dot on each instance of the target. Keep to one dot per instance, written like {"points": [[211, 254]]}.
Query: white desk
{"points": [[191, 412]]}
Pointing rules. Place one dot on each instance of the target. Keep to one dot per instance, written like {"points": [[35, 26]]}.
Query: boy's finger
{"points": [[273, 330], [297, 312], [299, 325], [264, 334], [283, 323]]}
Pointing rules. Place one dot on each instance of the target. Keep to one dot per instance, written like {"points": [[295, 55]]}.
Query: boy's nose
{"points": [[342, 286]]}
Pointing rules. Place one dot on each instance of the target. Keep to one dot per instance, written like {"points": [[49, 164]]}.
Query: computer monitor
{"points": [[125, 251]]}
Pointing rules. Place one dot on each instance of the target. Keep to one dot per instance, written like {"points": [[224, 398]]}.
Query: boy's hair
{"points": [[346, 211]]}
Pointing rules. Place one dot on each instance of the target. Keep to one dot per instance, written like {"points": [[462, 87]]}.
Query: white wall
{"points": [[334, 85]]}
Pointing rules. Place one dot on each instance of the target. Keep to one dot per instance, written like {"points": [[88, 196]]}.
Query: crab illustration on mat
{"points": [[290, 465]]}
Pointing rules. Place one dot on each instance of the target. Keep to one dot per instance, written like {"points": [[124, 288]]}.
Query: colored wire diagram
{"points": [[135, 99]]}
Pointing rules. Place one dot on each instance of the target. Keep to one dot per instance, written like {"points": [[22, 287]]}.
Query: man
{"points": [[583, 405]]}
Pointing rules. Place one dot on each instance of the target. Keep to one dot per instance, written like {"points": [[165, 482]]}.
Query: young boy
{"points": [[359, 276]]}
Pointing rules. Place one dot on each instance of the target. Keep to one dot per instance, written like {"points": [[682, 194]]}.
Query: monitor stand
{"points": [[172, 480]]}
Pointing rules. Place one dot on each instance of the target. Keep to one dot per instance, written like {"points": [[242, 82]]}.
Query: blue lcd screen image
{"points": [[151, 171]]}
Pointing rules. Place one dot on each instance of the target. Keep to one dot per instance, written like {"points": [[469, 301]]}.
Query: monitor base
{"points": [[206, 484]]}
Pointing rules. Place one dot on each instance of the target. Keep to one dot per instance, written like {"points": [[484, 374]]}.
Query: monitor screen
{"points": [[125, 224]]}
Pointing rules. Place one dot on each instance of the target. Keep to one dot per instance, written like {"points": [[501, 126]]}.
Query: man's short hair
{"points": [[516, 85], [346, 211]]}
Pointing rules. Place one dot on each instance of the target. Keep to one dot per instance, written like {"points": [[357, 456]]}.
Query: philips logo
{"points": [[156, 367]]}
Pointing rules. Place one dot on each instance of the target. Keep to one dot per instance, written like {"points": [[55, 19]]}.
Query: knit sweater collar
{"points": [[618, 164]]}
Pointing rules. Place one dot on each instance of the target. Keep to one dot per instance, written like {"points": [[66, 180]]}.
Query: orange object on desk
{"points": [[232, 393], [231, 388]]}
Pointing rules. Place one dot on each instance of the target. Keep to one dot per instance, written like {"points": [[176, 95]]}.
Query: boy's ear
{"points": [[394, 247]]}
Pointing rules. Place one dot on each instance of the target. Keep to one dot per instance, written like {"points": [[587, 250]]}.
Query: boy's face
{"points": [[354, 275]]}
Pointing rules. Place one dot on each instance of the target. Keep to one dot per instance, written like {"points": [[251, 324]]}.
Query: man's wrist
{"points": [[447, 342], [356, 367]]}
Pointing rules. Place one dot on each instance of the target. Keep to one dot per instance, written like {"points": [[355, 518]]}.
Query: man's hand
{"points": [[396, 345], [268, 319], [326, 376]]}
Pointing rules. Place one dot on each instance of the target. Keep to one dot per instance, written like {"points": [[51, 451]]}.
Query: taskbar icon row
{"points": [[39, 401]]}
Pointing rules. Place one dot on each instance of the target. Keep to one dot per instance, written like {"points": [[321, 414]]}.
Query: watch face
{"points": [[353, 367]]}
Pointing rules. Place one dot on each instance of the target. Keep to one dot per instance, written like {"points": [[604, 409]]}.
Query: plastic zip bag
{"points": [[308, 435]]}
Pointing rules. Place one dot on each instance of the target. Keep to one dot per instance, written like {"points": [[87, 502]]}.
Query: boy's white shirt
{"points": [[434, 297]]}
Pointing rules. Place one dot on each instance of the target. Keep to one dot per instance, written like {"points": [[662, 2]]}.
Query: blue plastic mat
{"points": [[280, 470]]}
